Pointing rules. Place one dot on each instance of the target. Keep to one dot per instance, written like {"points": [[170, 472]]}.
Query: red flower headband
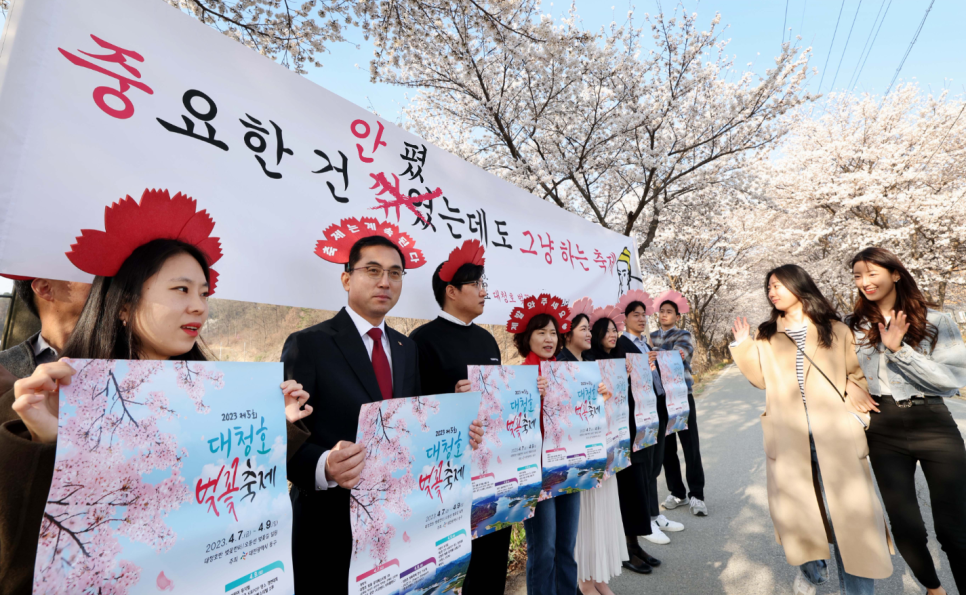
{"points": [[637, 295], [471, 252], [534, 305], [129, 225], [343, 235]]}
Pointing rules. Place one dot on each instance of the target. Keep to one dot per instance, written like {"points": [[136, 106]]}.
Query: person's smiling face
{"points": [[875, 282]]}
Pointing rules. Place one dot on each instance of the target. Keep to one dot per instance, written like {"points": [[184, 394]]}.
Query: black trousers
{"points": [[655, 459], [632, 490], [927, 434], [692, 459], [487, 571]]}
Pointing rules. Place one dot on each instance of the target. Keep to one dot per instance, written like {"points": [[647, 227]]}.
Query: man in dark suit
{"points": [[343, 363], [58, 305]]}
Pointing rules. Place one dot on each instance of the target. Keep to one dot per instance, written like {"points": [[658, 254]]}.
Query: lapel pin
{"points": [[400, 343]]}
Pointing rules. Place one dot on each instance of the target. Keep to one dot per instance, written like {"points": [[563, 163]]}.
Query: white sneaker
{"points": [[657, 536], [801, 586], [672, 502], [668, 525], [698, 507]]}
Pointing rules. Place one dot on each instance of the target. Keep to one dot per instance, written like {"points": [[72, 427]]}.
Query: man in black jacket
{"points": [[447, 345], [343, 363]]}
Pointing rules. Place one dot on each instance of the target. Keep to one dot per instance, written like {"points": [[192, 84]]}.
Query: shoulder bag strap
{"points": [[814, 365]]}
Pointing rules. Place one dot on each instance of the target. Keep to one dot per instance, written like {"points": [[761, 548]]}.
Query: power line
{"points": [[909, 49], [824, 68], [854, 18], [785, 22], [801, 22], [859, 75], [866, 44]]}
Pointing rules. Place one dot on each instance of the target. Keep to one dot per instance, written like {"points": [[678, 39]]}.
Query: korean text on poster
{"points": [[506, 466], [574, 428], [618, 438], [676, 389], [410, 511], [169, 476], [646, 421]]}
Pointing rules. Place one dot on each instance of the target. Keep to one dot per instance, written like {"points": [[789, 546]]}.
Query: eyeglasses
{"points": [[479, 285], [376, 272]]}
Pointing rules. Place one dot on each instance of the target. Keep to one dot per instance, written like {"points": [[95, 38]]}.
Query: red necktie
{"points": [[380, 363]]}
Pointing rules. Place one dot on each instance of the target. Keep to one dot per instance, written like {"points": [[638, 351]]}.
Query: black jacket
{"points": [[331, 362]]}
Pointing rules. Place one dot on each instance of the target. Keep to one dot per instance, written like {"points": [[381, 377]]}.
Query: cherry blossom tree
{"points": [[489, 381], [294, 33], [557, 406], [614, 125], [886, 171], [98, 492], [387, 478]]}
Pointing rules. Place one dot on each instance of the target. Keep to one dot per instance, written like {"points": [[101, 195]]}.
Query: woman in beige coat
{"points": [[804, 358]]}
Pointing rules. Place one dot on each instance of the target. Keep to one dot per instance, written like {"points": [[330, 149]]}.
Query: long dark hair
{"points": [[866, 315], [99, 333], [597, 334], [522, 340], [815, 305]]}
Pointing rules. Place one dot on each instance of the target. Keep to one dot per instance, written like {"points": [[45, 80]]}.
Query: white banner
{"points": [[105, 98]]}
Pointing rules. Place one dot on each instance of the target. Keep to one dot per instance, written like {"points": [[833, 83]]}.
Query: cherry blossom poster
{"points": [[618, 438], [506, 466], [169, 476], [410, 511], [646, 421], [112, 97], [676, 389], [574, 428]]}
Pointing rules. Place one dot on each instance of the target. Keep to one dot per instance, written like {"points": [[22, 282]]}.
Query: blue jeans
{"points": [[816, 571], [551, 540]]}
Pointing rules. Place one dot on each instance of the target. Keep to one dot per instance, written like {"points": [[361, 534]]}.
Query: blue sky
{"points": [[755, 31]]}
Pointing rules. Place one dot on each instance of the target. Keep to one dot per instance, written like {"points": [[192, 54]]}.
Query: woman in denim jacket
{"points": [[912, 357]]}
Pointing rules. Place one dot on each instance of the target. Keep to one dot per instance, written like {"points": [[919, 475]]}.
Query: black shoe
{"points": [[638, 551], [637, 565]]}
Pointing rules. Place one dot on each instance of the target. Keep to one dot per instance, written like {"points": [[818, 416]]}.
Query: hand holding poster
{"points": [[168, 476], [506, 466], [646, 420], [410, 511], [676, 389], [618, 438], [574, 427]]}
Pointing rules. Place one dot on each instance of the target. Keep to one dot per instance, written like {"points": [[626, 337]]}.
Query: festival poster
{"points": [[169, 476], [410, 511], [618, 437], [646, 420], [574, 428], [676, 389], [506, 466]]}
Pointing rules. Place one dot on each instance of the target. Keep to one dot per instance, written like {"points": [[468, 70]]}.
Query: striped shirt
{"points": [[798, 335]]}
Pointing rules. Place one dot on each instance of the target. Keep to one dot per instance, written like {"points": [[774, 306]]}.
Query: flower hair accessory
{"points": [[535, 305], [584, 306], [130, 224], [471, 252], [637, 295], [614, 312], [340, 237], [675, 298], [17, 277]]}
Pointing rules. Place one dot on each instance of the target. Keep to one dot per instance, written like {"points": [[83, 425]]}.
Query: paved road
{"points": [[733, 551]]}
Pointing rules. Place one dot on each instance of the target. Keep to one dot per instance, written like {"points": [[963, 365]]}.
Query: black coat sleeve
{"points": [[300, 366]]}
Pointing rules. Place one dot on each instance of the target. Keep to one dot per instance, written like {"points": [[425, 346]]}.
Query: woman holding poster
{"points": [[601, 548], [148, 302], [552, 532], [804, 359]]}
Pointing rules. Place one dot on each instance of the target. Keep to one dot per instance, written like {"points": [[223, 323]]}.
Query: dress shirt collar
{"points": [[363, 325], [40, 345], [447, 316], [640, 342]]}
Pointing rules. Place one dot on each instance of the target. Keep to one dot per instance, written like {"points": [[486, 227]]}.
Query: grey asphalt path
{"points": [[733, 551]]}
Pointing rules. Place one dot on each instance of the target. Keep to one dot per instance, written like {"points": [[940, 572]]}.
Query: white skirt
{"points": [[601, 546]]}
